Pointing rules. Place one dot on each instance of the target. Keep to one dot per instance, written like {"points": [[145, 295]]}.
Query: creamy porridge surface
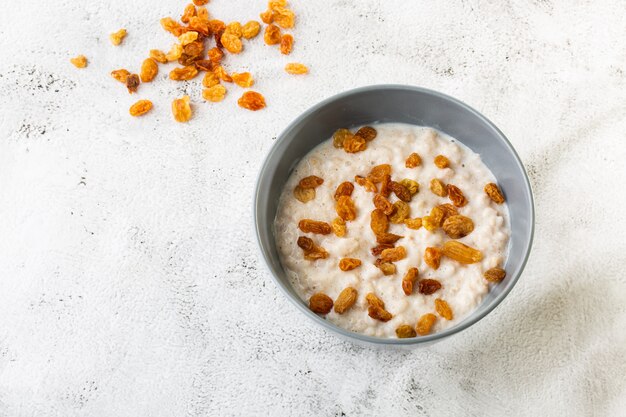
{"points": [[463, 286]]}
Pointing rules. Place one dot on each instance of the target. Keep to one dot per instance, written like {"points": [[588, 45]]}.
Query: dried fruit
{"points": [[339, 227], [243, 79], [250, 29], [373, 300], [393, 255], [215, 54], [188, 37], [345, 188], [140, 108], [348, 264], [120, 75], [201, 12], [367, 132], [432, 257], [444, 310], [267, 17], [223, 75], [345, 208], [495, 274], [175, 52], [171, 26], [234, 28], [181, 109], [132, 83], [458, 226], [411, 185], [204, 65], [286, 44], [378, 249], [379, 172], [158, 56], [184, 73], [296, 68], [200, 2], [200, 24], [409, 280], [456, 196], [79, 62], [271, 35], [438, 187], [383, 204], [284, 17], [442, 162], [448, 210], [210, 79], [149, 70], [413, 161], [428, 286], [311, 251], [304, 195], [231, 42], [216, 26], [387, 268], [345, 300], [414, 224], [354, 144], [379, 222], [425, 324], [462, 253], [365, 183], [385, 191], [117, 37], [405, 331], [188, 13], [340, 136], [494, 193], [252, 100], [400, 191], [387, 238], [376, 308], [433, 221], [320, 303], [312, 181], [314, 226], [215, 93], [401, 211]]}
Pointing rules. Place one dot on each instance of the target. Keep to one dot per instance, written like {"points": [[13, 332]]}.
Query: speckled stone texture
{"points": [[130, 279]]}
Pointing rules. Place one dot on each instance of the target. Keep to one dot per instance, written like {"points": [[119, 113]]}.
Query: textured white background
{"points": [[129, 273]]}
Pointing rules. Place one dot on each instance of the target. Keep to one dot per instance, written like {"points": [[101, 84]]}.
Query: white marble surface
{"points": [[130, 279]]}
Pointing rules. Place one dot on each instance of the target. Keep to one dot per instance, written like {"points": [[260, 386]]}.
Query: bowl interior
{"points": [[379, 104]]}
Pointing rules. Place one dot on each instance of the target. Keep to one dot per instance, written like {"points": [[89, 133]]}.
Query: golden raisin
{"points": [[379, 222], [494, 193], [158, 56], [428, 286], [149, 70], [441, 161], [367, 132], [413, 161], [215, 54], [188, 13], [216, 26], [393, 255], [79, 62], [320, 303], [175, 52], [304, 195], [405, 331], [345, 188], [340, 136], [311, 251], [365, 183], [204, 65], [132, 83], [385, 191], [210, 79], [234, 28], [171, 26], [376, 308], [438, 187], [401, 212], [199, 24], [201, 12], [495, 274], [414, 224], [296, 68], [387, 238], [312, 181], [187, 37], [354, 144], [410, 185], [274, 4], [120, 75], [432, 257], [251, 100], [117, 37], [284, 17], [345, 300], [443, 308], [345, 208], [458, 226], [425, 324], [409, 280], [433, 221], [200, 2], [348, 264], [250, 29], [448, 210], [379, 172], [184, 73], [383, 204], [271, 35], [387, 268], [215, 93], [140, 108], [286, 44], [400, 191], [339, 226], [243, 79], [378, 249], [314, 226], [456, 196], [232, 43], [267, 17], [223, 75], [462, 253], [181, 109]]}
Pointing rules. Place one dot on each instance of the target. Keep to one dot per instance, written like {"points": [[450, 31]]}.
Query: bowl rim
{"points": [[359, 336]]}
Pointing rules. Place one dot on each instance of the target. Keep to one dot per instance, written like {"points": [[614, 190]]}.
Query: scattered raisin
{"points": [[312, 181], [401, 211], [425, 324], [252, 100], [456, 196], [379, 222], [339, 226], [345, 300], [462, 253], [393, 255], [132, 83], [442, 162], [314, 226], [149, 70], [443, 308], [117, 37], [345, 188], [320, 303], [378, 249], [378, 173], [428, 286], [494, 193], [140, 108], [286, 44], [215, 93], [250, 29], [385, 191], [410, 185], [181, 109], [414, 224], [400, 191], [413, 161], [243, 79], [345, 208], [348, 264], [184, 73], [215, 54], [158, 56], [495, 274], [311, 251], [295, 68], [366, 183], [231, 42], [367, 132], [383, 204], [438, 187], [448, 210], [120, 75], [210, 79], [433, 221], [354, 144], [458, 226], [432, 257], [271, 35], [405, 331], [387, 268], [387, 238], [340, 136], [409, 280], [79, 62], [304, 195]]}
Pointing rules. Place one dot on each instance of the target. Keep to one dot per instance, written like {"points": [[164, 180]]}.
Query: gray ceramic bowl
{"points": [[413, 105]]}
